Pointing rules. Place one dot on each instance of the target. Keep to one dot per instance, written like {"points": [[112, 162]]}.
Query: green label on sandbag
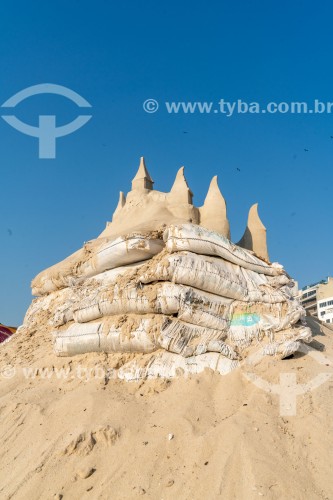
{"points": [[246, 319]]}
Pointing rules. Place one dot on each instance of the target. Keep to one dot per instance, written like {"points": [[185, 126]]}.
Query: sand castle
{"points": [[153, 304], [164, 282]]}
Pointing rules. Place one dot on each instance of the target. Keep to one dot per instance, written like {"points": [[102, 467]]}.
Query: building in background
{"points": [[325, 301], [317, 300], [309, 298]]}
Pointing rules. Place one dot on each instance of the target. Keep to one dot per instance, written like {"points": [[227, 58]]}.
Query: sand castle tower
{"points": [[180, 192], [180, 199], [121, 204], [254, 237], [213, 213], [142, 179]]}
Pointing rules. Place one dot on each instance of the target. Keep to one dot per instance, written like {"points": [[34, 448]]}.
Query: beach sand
{"points": [[207, 436]]}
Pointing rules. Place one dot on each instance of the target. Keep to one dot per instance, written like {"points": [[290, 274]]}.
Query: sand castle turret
{"points": [[180, 199], [121, 204], [254, 237], [213, 213], [180, 192], [142, 179]]}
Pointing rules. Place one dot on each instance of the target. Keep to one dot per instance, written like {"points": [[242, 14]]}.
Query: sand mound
{"points": [[69, 431], [164, 300]]}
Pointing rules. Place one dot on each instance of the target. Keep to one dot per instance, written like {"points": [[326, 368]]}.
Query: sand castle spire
{"points": [[142, 179], [254, 237], [213, 213], [180, 192], [121, 203]]}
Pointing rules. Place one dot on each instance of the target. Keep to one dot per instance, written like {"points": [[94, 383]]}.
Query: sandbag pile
{"points": [[184, 298]]}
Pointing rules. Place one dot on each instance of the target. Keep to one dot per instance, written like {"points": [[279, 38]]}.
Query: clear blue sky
{"points": [[116, 55]]}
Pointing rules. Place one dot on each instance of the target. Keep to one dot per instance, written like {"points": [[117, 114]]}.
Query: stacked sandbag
{"points": [[94, 258], [185, 294], [137, 334]]}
